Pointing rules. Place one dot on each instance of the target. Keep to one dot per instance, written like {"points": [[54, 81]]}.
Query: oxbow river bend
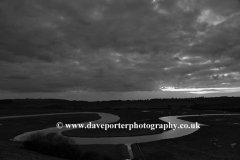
{"points": [[110, 118]]}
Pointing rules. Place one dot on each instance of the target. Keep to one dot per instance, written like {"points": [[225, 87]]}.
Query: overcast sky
{"points": [[119, 49]]}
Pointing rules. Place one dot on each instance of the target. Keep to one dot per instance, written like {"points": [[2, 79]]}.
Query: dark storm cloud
{"points": [[117, 45], [18, 77]]}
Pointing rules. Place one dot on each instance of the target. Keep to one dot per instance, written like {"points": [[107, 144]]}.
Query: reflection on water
{"points": [[110, 118]]}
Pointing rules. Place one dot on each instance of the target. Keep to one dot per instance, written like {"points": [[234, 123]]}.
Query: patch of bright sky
{"points": [[202, 90], [214, 69], [185, 63], [210, 17], [186, 57], [186, 5], [235, 75], [160, 10], [181, 56], [206, 62]]}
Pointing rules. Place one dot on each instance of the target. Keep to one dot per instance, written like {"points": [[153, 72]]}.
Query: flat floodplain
{"points": [[219, 140], [12, 127]]}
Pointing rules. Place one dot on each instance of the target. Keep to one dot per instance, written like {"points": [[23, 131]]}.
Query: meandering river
{"points": [[110, 118]]}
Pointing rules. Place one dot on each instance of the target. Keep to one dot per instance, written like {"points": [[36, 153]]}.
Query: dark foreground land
{"points": [[219, 140]]}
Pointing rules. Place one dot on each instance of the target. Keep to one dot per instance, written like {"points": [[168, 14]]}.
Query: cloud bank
{"points": [[118, 45]]}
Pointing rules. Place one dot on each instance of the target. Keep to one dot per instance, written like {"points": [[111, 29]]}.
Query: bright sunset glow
{"points": [[56, 48], [201, 90]]}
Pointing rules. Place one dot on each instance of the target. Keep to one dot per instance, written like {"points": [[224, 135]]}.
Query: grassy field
{"points": [[13, 127], [14, 151], [218, 141]]}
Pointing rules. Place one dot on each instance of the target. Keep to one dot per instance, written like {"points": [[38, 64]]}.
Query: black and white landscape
{"points": [[143, 61]]}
